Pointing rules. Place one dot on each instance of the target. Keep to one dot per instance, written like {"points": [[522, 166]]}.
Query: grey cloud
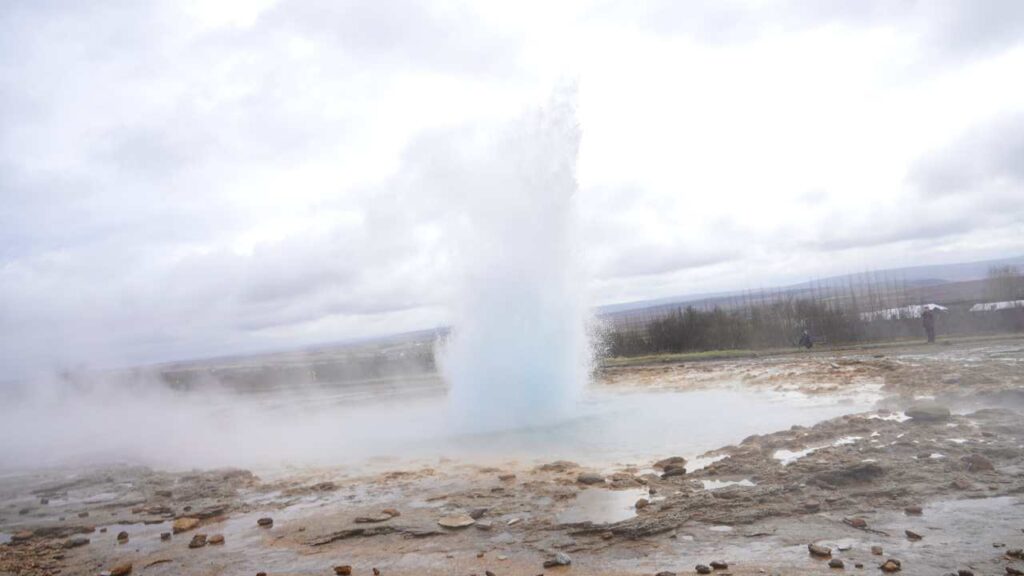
{"points": [[407, 33], [946, 29], [985, 156]]}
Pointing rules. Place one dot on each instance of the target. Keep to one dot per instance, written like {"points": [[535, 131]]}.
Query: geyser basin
{"points": [[202, 430]]}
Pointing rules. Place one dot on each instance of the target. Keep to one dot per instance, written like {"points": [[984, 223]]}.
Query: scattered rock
{"points": [[665, 573], [21, 536], [858, 565], [702, 569], [477, 513], [488, 573], [928, 413], [911, 535], [977, 463], [75, 542], [590, 478], [325, 486], [198, 541], [485, 525], [835, 563], [216, 539], [963, 572], [344, 570], [458, 521], [913, 511], [122, 537], [1017, 553], [265, 522], [184, 524], [506, 477], [165, 536], [812, 506], [891, 565], [856, 522], [80, 514], [376, 572], [877, 550], [719, 565], [122, 569], [391, 512], [560, 559], [642, 503], [820, 551], [1011, 571], [44, 501], [164, 493]]}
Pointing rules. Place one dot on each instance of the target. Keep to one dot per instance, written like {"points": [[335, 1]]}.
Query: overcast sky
{"points": [[183, 179]]}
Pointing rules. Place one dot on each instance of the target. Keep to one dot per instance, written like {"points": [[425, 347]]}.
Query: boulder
{"points": [[670, 461], [820, 551], [977, 463]]}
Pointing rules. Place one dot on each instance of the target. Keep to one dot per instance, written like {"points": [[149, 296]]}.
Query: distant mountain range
{"points": [[918, 276]]}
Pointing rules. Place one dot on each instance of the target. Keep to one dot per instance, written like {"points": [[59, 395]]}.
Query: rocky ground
{"points": [[931, 482]]}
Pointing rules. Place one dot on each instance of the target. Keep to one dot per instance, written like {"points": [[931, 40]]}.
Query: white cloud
{"points": [[180, 180]]}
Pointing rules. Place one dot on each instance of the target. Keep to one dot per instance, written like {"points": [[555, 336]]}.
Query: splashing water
{"points": [[518, 353]]}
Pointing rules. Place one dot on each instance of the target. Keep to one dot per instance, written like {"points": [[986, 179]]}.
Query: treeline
{"points": [[694, 330], [780, 324]]}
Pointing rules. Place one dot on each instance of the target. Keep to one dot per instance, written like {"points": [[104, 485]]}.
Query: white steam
{"points": [[519, 350]]}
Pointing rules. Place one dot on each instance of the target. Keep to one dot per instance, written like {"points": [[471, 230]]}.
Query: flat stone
{"points": [[457, 521], [560, 559], [216, 539], [590, 478], [75, 542], [911, 535], [719, 565]]}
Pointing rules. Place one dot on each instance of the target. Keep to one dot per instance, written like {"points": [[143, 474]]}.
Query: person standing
{"points": [[928, 319]]}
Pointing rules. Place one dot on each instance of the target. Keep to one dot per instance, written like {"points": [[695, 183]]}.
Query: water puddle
{"points": [[717, 484], [602, 506]]}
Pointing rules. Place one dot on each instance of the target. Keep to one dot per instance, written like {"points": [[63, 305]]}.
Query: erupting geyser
{"points": [[518, 355]]}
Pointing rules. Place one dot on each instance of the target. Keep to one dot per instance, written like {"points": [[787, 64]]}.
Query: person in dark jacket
{"points": [[805, 340], [928, 319]]}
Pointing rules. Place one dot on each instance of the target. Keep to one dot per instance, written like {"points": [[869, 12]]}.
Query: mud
{"points": [[848, 483]]}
